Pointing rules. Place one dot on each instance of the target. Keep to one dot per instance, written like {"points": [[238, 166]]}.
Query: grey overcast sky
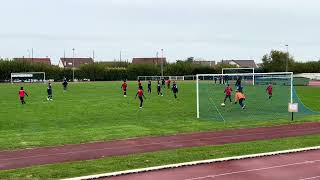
{"points": [[210, 29]]}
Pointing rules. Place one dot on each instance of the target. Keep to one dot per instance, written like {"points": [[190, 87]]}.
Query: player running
{"points": [[175, 89], [227, 91], [22, 93], [65, 84], [149, 86], [49, 91], [159, 89], [140, 96], [124, 87], [239, 97], [168, 83], [269, 90]]}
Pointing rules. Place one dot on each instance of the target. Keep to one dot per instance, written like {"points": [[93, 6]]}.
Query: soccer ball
{"points": [[222, 104]]}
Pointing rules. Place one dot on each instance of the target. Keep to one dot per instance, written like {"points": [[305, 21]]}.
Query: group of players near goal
{"points": [[239, 95]]}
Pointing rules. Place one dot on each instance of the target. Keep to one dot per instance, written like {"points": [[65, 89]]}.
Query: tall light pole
{"points": [[162, 62], [287, 57], [73, 64], [120, 58]]}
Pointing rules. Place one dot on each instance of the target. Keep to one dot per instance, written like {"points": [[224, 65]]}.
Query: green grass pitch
{"points": [[98, 111]]}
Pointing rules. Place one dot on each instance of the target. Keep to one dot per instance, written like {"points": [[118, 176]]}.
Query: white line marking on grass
{"points": [[251, 170], [192, 163]]}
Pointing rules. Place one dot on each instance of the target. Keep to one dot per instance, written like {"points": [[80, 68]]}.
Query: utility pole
{"points": [[93, 55], [73, 64], [287, 57], [162, 62], [32, 54]]}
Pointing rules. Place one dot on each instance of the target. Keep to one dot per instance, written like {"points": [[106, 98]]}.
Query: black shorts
{"points": [[21, 98]]}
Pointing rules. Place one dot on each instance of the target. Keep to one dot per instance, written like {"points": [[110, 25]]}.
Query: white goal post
{"points": [[28, 77], [262, 76], [252, 71]]}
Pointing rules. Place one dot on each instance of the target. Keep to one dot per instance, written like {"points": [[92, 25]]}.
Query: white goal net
{"points": [[28, 77], [213, 103]]}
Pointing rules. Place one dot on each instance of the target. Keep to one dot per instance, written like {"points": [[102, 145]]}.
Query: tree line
{"points": [[275, 61]]}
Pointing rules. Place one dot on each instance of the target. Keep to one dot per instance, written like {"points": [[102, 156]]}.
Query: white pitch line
{"points": [[252, 170], [192, 163], [310, 178]]}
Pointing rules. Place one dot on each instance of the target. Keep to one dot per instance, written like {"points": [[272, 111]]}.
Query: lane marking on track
{"points": [[315, 177], [170, 166], [150, 144], [252, 170]]}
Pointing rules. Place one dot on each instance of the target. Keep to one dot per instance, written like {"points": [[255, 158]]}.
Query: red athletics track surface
{"points": [[295, 166], [96, 150]]}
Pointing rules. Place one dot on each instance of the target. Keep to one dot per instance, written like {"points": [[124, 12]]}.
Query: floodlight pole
{"points": [[162, 62], [73, 64], [287, 59]]}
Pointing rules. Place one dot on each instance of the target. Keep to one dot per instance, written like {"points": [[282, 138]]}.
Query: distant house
{"points": [[241, 63], [205, 63], [152, 60], [35, 60], [68, 62]]}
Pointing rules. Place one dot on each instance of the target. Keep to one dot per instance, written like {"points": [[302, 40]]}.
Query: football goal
{"points": [[28, 77], [250, 79], [211, 102]]}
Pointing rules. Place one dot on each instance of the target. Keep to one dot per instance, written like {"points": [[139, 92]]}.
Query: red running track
{"points": [[295, 166], [314, 83], [50, 155]]}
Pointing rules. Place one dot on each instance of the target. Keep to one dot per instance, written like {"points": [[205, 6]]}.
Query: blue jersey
{"points": [[175, 88], [49, 89]]}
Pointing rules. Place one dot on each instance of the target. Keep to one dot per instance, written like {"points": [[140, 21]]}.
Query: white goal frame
{"points": [[242, 74], [26, 75], [222, 72]]}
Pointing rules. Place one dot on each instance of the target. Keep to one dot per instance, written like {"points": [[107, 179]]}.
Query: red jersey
{"points": [[269, 89], [140, 93], [228, 91], [22, 93], [168, 81], [124, 86]]}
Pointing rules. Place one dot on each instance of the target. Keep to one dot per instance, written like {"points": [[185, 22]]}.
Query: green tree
{"points": [[276, 61]]}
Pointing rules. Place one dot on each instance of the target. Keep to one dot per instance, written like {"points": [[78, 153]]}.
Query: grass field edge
{"points": [[193, 163]]}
